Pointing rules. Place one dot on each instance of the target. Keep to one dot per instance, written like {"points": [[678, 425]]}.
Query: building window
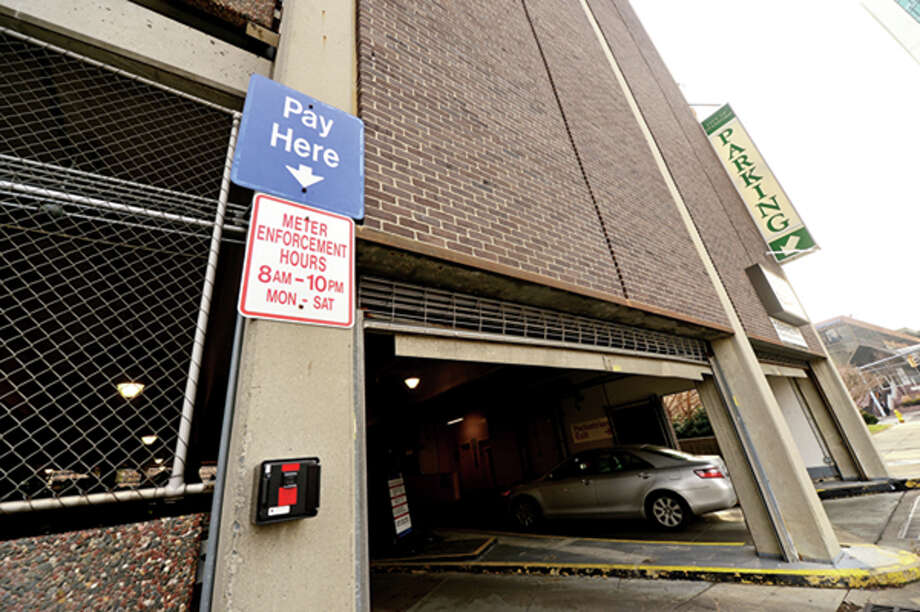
{"points": [[912, 7]]}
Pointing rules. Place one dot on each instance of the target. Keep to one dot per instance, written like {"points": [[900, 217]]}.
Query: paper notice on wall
{"points": [[591, 431]]}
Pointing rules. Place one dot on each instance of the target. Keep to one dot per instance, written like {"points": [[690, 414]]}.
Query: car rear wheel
{"points": [[668, 511], [526, 513]]}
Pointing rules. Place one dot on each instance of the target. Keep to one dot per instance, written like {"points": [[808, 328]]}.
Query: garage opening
{"points": [[454, 425]]}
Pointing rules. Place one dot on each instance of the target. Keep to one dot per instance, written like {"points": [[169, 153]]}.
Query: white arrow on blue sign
{"points": [[298, 148]]}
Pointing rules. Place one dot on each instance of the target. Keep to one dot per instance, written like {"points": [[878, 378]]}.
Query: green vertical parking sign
{"points": [[766, 201]]}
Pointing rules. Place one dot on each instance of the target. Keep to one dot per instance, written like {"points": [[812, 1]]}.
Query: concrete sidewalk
{"points": [[899, 446]]}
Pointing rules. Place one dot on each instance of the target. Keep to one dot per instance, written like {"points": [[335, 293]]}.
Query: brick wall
{"points": [[655, 254], [465, 148], [468, 151]]}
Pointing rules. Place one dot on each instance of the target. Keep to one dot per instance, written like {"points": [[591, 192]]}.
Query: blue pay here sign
{"points": [[301, 149]]}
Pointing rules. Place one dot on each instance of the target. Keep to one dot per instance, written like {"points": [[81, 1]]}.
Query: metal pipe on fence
{"points": [[217, 502], [191, 386], [70, 501]]}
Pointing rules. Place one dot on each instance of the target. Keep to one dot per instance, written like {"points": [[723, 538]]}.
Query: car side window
{"points": [[578, 465], [607, 463], [612, 462], [628, 461]]}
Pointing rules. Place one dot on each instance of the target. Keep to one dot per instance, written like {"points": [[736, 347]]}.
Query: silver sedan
{"points": [[661, 484]]}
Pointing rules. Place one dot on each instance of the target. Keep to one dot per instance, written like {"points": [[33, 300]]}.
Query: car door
{"points": [[569, 489], [621, 483]]}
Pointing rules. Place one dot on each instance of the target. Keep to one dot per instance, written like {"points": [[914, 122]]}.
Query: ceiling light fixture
{"points": [[455, 421], [149, 439], [129, 390], [412, 382]]}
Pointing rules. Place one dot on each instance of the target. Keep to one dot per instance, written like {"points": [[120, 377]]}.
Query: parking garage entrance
{"points": [[453, 424]]}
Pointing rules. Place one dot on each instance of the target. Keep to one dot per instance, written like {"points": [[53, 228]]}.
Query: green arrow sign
{"points": [[792, 245]]}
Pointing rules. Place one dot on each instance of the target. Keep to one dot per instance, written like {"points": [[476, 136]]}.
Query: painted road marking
{"points": [[910, 517]]}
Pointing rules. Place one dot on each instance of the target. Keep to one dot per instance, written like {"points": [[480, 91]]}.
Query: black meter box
{"points": [[285, 490]]}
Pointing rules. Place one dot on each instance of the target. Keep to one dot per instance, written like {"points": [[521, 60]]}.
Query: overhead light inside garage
{"points": [[129, 390]]}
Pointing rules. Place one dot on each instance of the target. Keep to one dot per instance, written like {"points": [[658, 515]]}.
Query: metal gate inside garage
{"points": [[113, 210]]}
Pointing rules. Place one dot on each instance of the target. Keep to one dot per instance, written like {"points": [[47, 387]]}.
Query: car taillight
{"points": [[709, 473], [506, 493]]}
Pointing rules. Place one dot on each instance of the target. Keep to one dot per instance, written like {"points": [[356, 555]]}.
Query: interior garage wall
{"points": [[585, 421], [584, 413]]}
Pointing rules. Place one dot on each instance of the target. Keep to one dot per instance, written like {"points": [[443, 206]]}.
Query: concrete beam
{"points": [[429, 347], [770, 369], [783, 477], [135, 32], [756, 514], [295, 398]]}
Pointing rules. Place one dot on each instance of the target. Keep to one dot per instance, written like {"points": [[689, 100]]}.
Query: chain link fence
{"points": [[113, 206]]}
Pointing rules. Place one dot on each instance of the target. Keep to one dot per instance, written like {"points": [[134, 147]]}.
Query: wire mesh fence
{"points": [[110, 190]]}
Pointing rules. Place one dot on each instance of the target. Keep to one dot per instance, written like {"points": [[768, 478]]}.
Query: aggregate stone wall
{"points": [[140, 566], [238, 12]]}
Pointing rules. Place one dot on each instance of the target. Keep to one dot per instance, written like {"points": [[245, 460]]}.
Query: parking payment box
{"points": [[285, 490]]}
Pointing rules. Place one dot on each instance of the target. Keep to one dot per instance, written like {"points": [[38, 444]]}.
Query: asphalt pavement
{"points": [[885, 519]]}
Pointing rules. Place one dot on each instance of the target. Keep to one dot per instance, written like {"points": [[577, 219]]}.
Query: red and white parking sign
{"points": [[300, 264]]}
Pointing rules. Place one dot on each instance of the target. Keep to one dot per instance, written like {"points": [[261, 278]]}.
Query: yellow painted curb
{"points": [[905, 570], [419, 558]]}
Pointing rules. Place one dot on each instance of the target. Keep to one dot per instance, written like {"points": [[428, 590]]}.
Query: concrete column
{"points": [[797, 513], [847, 417], [828, 427], [752, 503], [300, 393]]}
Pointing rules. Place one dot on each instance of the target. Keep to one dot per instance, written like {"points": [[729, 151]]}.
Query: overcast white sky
{"points": [[833, 103]]}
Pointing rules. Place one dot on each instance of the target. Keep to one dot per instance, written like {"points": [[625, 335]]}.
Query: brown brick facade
{"points": [[465, 148], [659, 264], [497, 131]]}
